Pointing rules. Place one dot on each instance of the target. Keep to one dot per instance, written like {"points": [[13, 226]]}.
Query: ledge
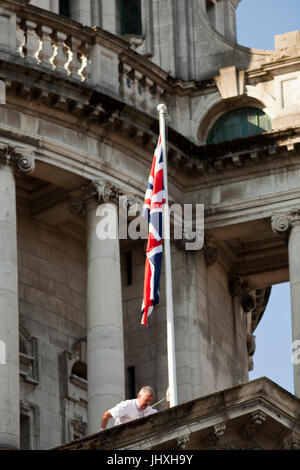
{"points": [[254, 415]]}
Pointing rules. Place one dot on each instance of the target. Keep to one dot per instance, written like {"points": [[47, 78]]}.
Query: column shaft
{"points": [[106, 384], [294, 269], [9, 314]]}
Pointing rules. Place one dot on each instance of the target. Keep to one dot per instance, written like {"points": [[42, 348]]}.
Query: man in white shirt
{"points": [[130, 409]]}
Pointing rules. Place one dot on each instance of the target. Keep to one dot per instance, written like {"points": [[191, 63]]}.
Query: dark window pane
{"points": [[80, 370], [131, 18], [240, 122], [64, 8], [131, 382], [24, 432]]}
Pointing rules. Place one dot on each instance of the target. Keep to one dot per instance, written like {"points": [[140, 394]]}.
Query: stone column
{"points": [[105, 350], [9, 311], [289, 225]]}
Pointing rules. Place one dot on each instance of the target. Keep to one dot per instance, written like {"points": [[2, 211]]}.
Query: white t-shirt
{"points": [[128, 410]]}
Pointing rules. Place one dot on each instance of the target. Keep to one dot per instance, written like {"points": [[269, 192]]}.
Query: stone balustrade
{"points": [[140, 90], [52, 48], [91, 56]]}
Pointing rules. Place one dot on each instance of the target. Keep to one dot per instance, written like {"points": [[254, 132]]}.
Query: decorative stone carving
{"points": [[239, 286], [77, 427], [251, 427], [250, 349], [210, 250], [291, 442], [73, 385], [219, 430], [25, 164], [99, 189], [76, 205], [28, 357], [214, 436], [182, 442], [282, 223], [22, 159], [249, 297]]}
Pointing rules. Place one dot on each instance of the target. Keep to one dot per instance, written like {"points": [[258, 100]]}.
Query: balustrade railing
{"points": [[89, 55], [53, 48]]}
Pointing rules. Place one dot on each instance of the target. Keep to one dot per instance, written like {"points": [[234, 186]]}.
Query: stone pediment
{"points": [[249, 416]]}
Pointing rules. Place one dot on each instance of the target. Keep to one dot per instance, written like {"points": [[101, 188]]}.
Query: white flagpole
{"points": [[162, 109]]}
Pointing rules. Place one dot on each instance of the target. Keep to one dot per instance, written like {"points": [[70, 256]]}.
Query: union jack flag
{"points": [[152, 210]]}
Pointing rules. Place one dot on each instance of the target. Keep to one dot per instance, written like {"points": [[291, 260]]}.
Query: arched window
{"points": [[131, 17], [65, 8], [241, 122]]}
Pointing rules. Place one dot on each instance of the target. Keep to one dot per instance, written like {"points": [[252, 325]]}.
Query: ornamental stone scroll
{"points": [[22, 159], [283, 222], [99, 190]]}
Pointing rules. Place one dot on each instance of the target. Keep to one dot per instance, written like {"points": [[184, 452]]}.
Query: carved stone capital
{"points": [[283, 222], [99, 190], [76, 205], [103, 191], [213, 436], [252, 426], [21, 159], [291, 442], [182, 442], [25, 164], [219, 430]]}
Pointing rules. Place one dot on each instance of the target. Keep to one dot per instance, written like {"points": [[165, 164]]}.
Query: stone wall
{"points": [[210, 329], [52, 278]]}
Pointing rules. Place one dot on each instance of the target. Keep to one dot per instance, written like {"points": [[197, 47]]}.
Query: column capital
{"points": [[282, 223], [101, 191], [20, 158]]}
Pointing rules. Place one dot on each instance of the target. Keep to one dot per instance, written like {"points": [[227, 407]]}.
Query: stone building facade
{"points": [[78, 125]]}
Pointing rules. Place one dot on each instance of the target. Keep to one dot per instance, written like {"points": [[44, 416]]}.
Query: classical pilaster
{"points": [[9, 312], [106, 383], [289, 225]]}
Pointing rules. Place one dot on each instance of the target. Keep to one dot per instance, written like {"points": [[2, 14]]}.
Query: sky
{"points": [[257, 23]]}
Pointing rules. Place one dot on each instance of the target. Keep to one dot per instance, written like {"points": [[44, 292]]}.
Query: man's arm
{"points": [[105, 418], [167, 398]]}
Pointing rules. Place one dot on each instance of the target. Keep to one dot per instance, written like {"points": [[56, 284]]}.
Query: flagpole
{"points": [[162, 109]]}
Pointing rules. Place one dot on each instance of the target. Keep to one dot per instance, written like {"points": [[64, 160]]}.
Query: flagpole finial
{"points": [[162, 108]]}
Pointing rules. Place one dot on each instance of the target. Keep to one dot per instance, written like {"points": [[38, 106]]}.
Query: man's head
{"points": [[145, 397]]}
